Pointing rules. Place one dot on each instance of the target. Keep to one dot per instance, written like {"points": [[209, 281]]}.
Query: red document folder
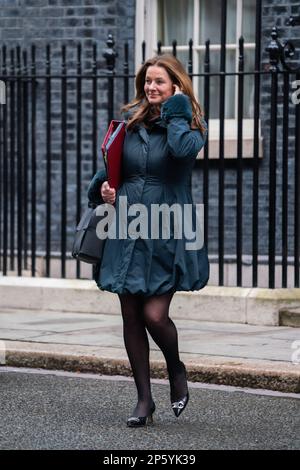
{"points": [[112, 149]]}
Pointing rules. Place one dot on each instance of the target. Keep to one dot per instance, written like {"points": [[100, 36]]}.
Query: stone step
{"points": [[290, 317], [255, 306]]}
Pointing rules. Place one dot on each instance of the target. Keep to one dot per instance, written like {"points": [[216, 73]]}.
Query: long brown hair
{"points": [[145, 111]]}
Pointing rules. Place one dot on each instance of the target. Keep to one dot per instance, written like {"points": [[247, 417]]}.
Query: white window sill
{"points": [[230, 139]]}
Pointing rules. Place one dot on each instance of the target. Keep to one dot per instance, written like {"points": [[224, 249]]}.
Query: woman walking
{"points": [[165, 131]]}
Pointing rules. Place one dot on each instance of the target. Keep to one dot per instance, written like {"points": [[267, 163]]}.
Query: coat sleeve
{"points": [[93, 192], [183, 141]]}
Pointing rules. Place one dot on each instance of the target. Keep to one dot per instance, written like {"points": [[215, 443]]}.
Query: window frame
{"points": [[146, 30]]}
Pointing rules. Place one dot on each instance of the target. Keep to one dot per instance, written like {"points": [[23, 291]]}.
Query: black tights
{"points": [[152, 313]]}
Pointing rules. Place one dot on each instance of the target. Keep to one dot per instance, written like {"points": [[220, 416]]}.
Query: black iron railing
{"points": [[54, 110], [20, 146]]}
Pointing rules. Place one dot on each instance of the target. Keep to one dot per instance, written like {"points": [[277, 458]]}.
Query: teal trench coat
{"points": [[157, 168]]}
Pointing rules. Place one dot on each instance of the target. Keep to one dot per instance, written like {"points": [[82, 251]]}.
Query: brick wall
{"points": [[274, 13], [25, 21], [68, 22]]}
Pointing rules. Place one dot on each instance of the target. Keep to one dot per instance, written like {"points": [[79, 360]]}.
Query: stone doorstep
{"points": [[278, 376], [256, 306], [290, 317]]}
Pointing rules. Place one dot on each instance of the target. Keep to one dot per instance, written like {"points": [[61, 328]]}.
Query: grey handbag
{"points": [[87, 246]]}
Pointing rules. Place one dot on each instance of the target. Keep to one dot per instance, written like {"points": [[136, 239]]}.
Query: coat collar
{"points": [[158, 122]]}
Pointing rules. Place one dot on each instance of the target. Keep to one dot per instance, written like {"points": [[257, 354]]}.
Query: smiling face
{"points": [[158, 85]]}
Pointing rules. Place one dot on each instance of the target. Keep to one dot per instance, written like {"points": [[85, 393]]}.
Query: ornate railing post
{"points": [[279, 51], [275, 50], [110, 56], [293, 21]]}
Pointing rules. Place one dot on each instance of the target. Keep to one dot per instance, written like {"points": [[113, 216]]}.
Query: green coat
{"points": [[157, 168]]}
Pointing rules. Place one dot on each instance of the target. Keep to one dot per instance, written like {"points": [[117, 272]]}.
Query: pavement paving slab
{"points": [[225, 353]]}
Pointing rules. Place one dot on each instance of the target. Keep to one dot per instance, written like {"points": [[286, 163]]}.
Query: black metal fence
{"points": [[50, 129], [42, 104]]}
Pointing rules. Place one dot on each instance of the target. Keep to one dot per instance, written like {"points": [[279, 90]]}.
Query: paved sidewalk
{"points": [[225, 353]]}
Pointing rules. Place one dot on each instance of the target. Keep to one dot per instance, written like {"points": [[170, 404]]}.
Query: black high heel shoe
{"points": [[179, 406], [136, 421]]}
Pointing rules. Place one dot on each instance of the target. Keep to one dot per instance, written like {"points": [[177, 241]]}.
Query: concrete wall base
{"points": [[256, 306]]}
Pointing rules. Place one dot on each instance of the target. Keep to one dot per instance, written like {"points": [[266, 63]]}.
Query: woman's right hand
{"points": [[108, 194]]}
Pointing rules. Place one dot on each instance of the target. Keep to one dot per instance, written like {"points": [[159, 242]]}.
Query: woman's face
{"points": [[158, 85]]}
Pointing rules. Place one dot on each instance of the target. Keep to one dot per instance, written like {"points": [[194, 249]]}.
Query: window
{"points": [[200, 20]]}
